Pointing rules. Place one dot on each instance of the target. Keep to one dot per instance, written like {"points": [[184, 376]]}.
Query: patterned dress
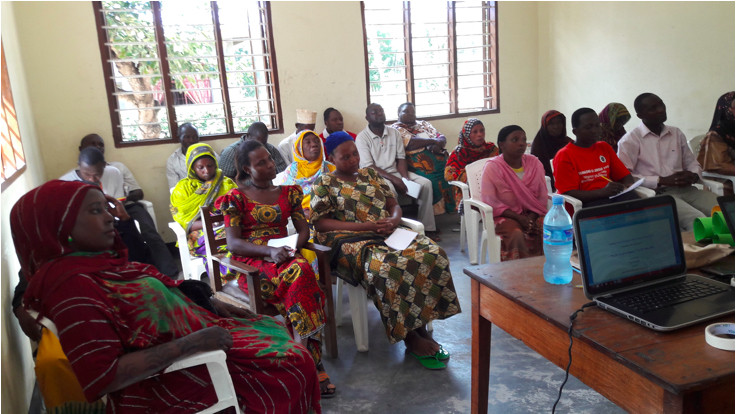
{"points": [[290, 286], [409, 287]]}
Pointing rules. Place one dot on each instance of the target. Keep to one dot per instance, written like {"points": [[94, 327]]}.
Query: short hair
{"points": [[243, 156], [575, 118], [91, 156], [326, 114], [184, 126], [89, 136], [258, 128], [506, 131], [638, 102], [405, 104], [371, 104]]}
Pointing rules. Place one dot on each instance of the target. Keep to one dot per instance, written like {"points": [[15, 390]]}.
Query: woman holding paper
{"points": [[257, 212], [513, 184], [354, 211]]}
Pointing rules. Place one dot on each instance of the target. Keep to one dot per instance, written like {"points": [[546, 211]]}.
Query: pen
{"points": [[605, 178]]}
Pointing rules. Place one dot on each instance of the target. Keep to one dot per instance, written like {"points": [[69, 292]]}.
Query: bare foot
{"points": [[425, 334], [419, 345]]}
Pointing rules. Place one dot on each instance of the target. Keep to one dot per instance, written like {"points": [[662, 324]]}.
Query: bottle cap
{"points": [[557, 199]]}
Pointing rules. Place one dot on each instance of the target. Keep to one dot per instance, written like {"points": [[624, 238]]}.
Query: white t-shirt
{"points": [[111, 181]]}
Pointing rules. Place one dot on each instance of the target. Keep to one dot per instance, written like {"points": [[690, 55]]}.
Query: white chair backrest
{"points": [[474, 173], [694, 143]]}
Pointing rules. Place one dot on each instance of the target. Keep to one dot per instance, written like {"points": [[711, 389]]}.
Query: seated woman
{"points": [[613, 118], [121, 322], [471, 147], [309, 164], [550, 138], [353, 211], [256, 212], [513, 184], [203, 184], [426, 155], [716, 149]]}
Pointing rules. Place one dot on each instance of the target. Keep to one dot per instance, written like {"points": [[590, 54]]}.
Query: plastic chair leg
{"points": [[358, 310], [463, 240], [338, 302]]}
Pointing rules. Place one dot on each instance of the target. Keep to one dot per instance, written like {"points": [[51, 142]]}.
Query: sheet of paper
{"points": [[400, 239], [412, 188], [288, 241], [631, 187]]}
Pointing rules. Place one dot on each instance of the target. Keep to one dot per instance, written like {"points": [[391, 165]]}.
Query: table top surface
{"points": [[678, 361]]}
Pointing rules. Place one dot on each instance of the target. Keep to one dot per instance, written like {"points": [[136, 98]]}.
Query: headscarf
{"points": [[303, 172], [191, 192], [466, 152], [723, 118], [41, 223], [545, 146], [609, 115], [335, 139]]}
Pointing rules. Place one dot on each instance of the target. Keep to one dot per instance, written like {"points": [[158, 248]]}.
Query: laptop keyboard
{"points": [[669, 295]]}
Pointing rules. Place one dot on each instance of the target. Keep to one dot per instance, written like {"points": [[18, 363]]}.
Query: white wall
{"points": [[595, 53], [17, 365]]}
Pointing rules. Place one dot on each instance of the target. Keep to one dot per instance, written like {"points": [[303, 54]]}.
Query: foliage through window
{"points": [[207, 63], [440, 56]]}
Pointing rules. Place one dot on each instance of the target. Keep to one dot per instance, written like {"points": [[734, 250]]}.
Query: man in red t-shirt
{"points": [[588, 169]]}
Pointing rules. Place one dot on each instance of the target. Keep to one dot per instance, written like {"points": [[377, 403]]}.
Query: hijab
{"points": [[192, 192], [609, 115], [545, 146], [303, 172], [723, 118], [465, 152], [41, 223]]}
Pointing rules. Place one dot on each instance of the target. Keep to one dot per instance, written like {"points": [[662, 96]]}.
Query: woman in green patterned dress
{"points": [[353, 211]]}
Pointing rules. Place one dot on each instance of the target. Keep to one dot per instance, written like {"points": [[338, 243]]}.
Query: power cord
{"points": [[569, 351]]}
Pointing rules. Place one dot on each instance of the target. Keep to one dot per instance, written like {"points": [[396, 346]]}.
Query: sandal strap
{"points": [[322, 376]]}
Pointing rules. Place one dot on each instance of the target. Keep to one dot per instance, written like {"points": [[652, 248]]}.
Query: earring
{"points": [[69, 239]]}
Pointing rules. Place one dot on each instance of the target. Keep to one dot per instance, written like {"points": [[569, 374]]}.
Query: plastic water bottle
{"points": [[557, 243]]}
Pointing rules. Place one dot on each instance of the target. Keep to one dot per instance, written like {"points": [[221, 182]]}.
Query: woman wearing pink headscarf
{"points": [[513, 184]]}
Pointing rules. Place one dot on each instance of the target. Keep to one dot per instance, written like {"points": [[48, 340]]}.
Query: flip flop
{"points": [[330, 390], [429, 361], [442, 354]]}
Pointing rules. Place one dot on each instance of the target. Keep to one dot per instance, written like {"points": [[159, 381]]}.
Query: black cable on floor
{"points": [[569, 351]]}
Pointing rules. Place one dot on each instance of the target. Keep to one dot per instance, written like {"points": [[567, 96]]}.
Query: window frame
{"points": [[166, 78], [11, 141], [493, 46]]}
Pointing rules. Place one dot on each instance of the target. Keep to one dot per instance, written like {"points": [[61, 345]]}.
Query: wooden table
{"points": [[640, 370]]}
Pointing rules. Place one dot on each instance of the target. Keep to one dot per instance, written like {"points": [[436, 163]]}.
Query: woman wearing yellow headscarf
{"points": [[203, 184], [309, 164]]}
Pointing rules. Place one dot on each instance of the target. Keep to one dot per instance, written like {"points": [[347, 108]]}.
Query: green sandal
{"points": [[442, 354], [429, 361]]}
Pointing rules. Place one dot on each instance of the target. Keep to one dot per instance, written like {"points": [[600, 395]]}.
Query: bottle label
{"points": [[557, 236]]}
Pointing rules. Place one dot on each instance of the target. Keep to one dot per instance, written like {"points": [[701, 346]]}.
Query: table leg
{"points": [[480, 355]]}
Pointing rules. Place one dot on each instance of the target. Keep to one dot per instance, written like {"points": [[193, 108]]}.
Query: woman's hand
{"points": [[227, 310], [386, 225], [117, 209], [281, 254], [211, 339], [28, 324]]}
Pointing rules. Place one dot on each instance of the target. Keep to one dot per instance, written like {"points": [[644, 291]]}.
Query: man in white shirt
{"points": [[381, 148], [132, 193], [660, 154], [305, 120]]}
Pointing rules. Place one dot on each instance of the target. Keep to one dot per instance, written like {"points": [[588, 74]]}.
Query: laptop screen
{"points": [[628, 243]]}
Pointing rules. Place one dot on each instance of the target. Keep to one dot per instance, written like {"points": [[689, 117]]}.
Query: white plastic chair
{"points": [[476, 211], [713, 185], [216, 367], [359, 300], [192, 267], [149, 208], [466, 195]]}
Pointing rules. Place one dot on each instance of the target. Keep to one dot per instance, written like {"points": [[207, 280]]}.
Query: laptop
{"points": [[633, 264]]}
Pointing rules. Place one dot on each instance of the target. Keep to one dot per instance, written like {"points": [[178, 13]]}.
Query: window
{"points": [[14, 161], [167, 63], [441, 58]]}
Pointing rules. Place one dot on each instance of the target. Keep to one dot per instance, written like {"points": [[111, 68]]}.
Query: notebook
{"points": [[632, 263]]}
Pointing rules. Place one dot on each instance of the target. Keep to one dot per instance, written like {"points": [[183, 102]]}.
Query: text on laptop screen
{"points": [[629, 247]]}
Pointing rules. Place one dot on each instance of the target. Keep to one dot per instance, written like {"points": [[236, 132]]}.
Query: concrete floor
{"points": [[387, 380]]}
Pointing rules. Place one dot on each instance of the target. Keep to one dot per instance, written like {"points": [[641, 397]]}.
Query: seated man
{"points": [[305, 119], [176, 165], [259, 132], [660, 154], [160, 255], [381, 148], [333, 123], [588, 169]]}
